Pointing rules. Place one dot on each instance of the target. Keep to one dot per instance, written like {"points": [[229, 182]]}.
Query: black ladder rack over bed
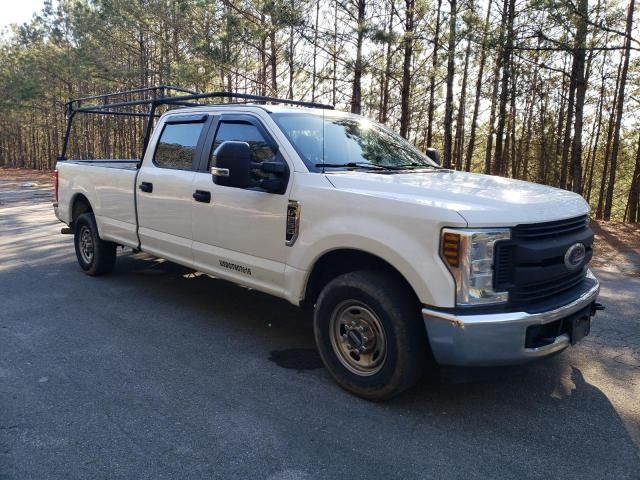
{"points": [[154, 97]]}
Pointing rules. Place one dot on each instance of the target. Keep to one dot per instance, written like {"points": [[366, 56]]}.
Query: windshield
{"points": [[348, 142]]}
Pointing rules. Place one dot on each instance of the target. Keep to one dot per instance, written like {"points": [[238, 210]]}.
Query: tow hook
{"points": [[596, 307]]}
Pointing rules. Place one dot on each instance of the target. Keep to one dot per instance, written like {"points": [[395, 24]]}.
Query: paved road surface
{"points": [[155, 372]]}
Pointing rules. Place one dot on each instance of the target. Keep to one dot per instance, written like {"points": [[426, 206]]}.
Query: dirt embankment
{"points": [[617, 246], [25, 175]]}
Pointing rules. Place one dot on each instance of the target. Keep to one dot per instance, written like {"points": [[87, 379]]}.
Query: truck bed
{"points": [[109, 187]]}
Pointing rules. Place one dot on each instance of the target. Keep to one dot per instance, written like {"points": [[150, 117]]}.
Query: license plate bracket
{"points": [[580, 327]]}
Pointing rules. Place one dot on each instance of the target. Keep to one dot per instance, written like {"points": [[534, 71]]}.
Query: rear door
{"points": [[164, 188], [239, 233]]}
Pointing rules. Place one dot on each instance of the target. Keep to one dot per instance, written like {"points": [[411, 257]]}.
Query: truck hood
{"points": [[482, 200]]}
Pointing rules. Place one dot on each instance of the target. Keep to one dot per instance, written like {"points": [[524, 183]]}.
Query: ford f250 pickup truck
{"points": [[404, 264]]}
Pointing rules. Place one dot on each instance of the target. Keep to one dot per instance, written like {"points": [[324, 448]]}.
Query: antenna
{"points": [[323, 140]]}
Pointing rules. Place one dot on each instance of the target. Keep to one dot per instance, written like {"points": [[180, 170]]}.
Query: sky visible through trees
{"points": [[540, 90]]}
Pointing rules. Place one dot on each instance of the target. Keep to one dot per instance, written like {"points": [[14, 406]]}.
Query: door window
{"points": [[261, 150], [177, 145]]}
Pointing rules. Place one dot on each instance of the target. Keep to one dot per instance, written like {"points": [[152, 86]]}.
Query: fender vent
{"points": [[293, 222]]}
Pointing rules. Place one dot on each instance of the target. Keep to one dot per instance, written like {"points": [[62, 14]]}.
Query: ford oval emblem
{"points": [[575, 256]]}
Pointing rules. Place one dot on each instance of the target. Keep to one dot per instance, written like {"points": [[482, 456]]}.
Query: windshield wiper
{"points": [[413, 165], [364, 165], [373, 166]]}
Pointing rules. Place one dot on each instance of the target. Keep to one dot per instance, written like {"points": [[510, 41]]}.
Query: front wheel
{"points": [[95, 256], [370, 334]]}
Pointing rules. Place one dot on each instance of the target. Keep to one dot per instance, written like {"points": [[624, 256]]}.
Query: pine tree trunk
{"points": [[274, 63], [561, 121], [510, 148], [542, 153], [462, 108], [566, 142], [405, 92], [525, 143], [494, 91], [356, 92], [334, 53], [384, 87], [476, 106], [594, 139], [499, 166], [607, 151], [633, 202], [291, 62], [615, 147], [432, 77], [581, 91], [448, 111], [315, 53]]}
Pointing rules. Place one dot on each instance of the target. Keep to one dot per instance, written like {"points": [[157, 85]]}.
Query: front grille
{"points": [[539, 291], [530, 266], [503, 275], [539, 231]]}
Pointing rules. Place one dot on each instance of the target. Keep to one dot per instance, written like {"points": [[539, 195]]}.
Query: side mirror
{"points": [[232, 161], [433, 154], [276, 168]]}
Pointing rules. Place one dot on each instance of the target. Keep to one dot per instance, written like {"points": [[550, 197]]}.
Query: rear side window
{"points": [[177, 145]]}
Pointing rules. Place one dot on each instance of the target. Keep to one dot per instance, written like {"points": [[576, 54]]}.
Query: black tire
{"points": [[370, 302], [95, 256]]}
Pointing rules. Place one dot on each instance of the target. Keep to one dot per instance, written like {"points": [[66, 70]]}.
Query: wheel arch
{"points": [[339, 261], [79, 204]]}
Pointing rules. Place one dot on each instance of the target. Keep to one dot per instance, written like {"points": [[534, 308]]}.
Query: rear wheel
{"points": [[370, 335], [95, 256]]}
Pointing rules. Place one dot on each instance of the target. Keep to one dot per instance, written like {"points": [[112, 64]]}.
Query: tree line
{"points": [[539, 90]]}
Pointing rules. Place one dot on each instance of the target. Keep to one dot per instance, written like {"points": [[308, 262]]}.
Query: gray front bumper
{"points": [[496, 338]]}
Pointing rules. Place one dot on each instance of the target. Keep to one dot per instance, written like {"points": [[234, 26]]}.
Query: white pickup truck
{"points": [[402, 262]]}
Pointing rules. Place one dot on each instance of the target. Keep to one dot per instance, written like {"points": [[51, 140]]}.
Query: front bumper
{"points": [[490, 339]]}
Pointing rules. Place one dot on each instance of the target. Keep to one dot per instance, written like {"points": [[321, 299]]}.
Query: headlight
{"points": [[468, 254]]}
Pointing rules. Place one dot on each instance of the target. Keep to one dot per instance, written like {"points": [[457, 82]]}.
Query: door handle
{"points": [[146, 187], [202, 196]]}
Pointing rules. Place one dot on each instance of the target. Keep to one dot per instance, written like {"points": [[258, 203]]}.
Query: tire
{"points": [[370, 334], [95, 256]]}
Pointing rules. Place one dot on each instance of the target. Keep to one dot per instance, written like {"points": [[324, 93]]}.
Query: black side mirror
{"points": [[232, 161], [433, 154], [273, 167]]}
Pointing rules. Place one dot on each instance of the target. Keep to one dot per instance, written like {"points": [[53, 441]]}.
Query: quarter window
{"points": [[177, 145]]}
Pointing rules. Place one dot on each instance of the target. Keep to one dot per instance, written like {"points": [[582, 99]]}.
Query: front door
{"points": [[164, 189], [239, 233]]}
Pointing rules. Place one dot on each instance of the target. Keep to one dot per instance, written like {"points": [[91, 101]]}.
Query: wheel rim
{"points": [[358, 338], [86, 244]]}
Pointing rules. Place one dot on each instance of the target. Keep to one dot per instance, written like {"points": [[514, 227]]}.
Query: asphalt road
{"points": [[155, 372]]}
